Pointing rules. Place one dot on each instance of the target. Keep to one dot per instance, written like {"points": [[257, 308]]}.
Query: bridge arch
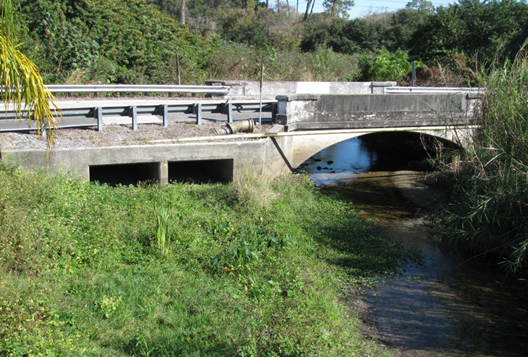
{"points": [[305, 146]]}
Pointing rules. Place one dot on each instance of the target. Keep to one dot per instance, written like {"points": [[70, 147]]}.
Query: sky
{"points": [[363, 7]]}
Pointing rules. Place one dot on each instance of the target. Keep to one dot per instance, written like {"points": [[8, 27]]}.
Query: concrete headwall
{"points": [[247, 155], [308, 111], [267, 157], [251, 90]]}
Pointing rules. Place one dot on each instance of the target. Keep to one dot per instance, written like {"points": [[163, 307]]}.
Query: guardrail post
{"points": [[99, 117], [198, 112], [229, 112], [165, 111], [133, 114]]}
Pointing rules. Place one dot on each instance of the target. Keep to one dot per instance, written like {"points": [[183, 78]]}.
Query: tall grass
{"points": [[488, 216], [81, 271]]}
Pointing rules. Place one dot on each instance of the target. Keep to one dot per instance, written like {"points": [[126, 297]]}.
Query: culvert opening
{"points": [[203, 171], [125, 174]]}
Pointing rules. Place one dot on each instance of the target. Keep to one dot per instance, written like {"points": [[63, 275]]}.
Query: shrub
{"points": [[385, 66]]}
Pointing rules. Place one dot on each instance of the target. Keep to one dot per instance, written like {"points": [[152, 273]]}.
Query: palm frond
{"points": [[21, 81]]}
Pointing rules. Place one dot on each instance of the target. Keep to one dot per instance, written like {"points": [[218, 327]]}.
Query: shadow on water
{"points": [[445, 306]]}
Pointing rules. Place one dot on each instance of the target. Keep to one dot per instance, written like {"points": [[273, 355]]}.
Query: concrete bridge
{"points": [[304, 125]]}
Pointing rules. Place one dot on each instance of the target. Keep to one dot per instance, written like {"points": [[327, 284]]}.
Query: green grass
{"points": [[83, 270]]}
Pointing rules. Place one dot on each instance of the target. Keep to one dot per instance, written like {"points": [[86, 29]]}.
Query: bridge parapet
{"points": [[309, 111], [246, 89]]}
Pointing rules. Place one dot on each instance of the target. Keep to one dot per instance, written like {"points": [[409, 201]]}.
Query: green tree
{"points": [[337, 8], [385, 66], [239, 26], [404, 24], [331, 34], [22, 84], [423, 6], [107, 41], [477, 28]]}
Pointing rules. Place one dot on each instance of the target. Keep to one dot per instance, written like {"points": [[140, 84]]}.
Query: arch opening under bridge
{"points": [[305, 146]]}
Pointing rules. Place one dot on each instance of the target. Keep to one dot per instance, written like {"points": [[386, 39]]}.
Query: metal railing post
{"points": [[198, 112], [99, 117], [229, 112], [133, 114], [165, 111]]}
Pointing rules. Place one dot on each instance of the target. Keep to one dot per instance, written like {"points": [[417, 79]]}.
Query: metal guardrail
{"points": [[94, 114], [432, 90], [136, 88]]}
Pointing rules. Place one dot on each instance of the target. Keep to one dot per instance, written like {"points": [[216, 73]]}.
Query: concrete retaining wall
{"points": [[264, 157]]}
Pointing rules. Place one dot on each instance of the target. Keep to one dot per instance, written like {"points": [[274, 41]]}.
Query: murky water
{"points": [[445, 306]]}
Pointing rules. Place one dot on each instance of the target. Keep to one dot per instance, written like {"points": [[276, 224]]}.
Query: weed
{"points": [[162, 230]]}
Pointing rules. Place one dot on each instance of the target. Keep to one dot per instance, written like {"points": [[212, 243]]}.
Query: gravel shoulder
{"points": [[112, 135]]}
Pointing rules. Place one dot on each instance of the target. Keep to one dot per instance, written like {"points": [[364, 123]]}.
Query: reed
{"points": [[488, 216]]}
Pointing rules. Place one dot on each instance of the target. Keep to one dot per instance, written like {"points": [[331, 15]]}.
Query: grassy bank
{"points": [[248, 269], [487, 217]]}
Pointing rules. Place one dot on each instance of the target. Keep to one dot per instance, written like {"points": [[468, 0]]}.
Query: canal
{"points": [[445, 306]]}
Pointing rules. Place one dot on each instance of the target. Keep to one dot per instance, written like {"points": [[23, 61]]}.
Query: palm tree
{"points": [[20, 79]]}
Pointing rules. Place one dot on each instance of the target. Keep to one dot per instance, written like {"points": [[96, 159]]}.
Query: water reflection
{"points": [[340, 163], [444, 307]]}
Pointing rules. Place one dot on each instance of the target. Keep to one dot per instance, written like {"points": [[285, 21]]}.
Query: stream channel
{"points": [[446, 306]]}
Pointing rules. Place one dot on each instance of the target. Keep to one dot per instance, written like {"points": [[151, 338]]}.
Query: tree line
{"points": [[145, 41]]}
